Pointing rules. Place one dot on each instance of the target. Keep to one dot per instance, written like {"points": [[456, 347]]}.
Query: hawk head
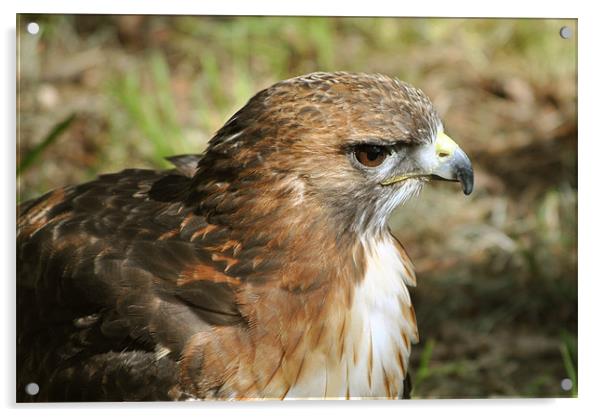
{"points": [[354, 145]]}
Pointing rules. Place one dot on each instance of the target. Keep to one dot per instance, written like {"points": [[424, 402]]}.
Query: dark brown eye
{"points": [[370, 155]]}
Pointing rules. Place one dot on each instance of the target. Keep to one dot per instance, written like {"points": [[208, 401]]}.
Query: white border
{"points": [[590, 72], [458, 8]]}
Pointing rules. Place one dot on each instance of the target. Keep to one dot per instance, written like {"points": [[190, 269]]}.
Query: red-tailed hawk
{"points": [[263, 268]]}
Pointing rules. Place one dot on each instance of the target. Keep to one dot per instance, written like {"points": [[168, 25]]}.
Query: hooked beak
{"points": [[453, 163], [449, 163]]}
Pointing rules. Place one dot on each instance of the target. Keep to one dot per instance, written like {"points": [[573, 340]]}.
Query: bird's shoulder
{"points": [[128, 248]]}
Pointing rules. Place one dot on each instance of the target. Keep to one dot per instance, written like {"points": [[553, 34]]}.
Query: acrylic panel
{"points": [[281, 207]]}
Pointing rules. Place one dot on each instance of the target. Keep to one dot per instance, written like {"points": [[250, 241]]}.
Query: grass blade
{"points": [[423, 368], [569, 363], [37, 151]]}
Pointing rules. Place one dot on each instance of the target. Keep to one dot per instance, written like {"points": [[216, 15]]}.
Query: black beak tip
{"points": [[466, 178]]}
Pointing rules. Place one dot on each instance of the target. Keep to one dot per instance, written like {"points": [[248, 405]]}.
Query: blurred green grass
{"points": [[497, 293]]}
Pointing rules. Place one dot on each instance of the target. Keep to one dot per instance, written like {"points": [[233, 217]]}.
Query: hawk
{"points": [[262, 269]]}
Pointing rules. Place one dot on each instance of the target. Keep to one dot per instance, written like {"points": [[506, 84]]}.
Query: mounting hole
{"points": [[566, 384], [32, 388], [566, 32], [33, 28]]}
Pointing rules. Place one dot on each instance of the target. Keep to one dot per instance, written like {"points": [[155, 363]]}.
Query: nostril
{"points": [[443, 154]]}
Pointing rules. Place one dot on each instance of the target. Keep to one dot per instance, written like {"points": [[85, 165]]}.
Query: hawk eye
{"points": [[370, 155]]}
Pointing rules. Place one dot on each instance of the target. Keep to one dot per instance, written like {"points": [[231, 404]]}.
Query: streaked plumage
{"points": [[263, 268]]}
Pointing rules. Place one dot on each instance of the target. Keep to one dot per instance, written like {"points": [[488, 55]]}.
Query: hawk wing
{"points": [[111, 284]]}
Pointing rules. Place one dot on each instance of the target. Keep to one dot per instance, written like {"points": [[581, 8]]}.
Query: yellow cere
{"points": [[444, 145]]}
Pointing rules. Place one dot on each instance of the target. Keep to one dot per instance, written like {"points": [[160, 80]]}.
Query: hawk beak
{"points": [[452, 163], [449, 163]]}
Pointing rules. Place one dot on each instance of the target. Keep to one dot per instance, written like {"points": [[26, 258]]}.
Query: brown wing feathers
{"points": [[105, 248]]}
